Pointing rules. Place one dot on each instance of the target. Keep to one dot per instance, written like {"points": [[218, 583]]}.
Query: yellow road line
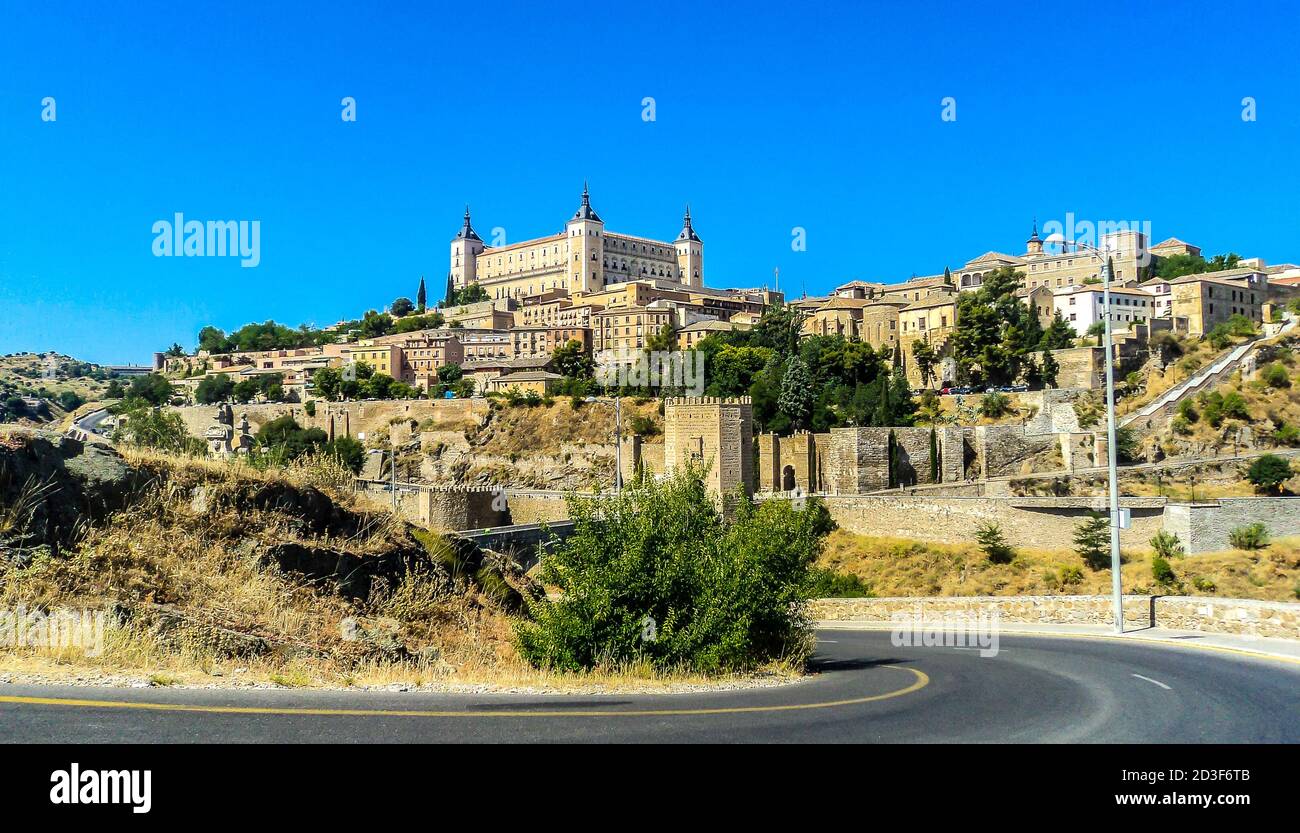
{"points": [[1168, 643], [921, 681]]}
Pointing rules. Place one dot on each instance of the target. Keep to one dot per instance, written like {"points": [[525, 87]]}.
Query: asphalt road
{"points": [[1037, 689]]}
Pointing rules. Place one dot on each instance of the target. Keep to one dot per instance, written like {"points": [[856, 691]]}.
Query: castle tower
{"points": [[1034, 245], [466, 246], [586, 248], [713, 432], [690, 254]]}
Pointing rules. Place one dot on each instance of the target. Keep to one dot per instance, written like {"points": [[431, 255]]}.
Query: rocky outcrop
{"points": [[51, 484]]}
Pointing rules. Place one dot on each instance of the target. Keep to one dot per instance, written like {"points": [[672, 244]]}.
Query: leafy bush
{"points": [[1275, 376], [655, 575], [1204, 584], [1187, 411], [1249, 537], [1167, 545], [1071, 575], [994, 405], [828, 584], [1287, 434], [1268, 473], [1162, 572], [994, 544], [644, 426]]}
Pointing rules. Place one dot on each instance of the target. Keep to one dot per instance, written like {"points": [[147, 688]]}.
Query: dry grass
{"points": [[545, 429], [185, 550], [894, 567]]}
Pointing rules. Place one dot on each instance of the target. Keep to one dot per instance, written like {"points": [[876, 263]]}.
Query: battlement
{"points": [[678, 401]]}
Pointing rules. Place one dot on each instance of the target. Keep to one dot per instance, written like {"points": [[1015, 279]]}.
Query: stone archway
{"points": [[787, 479]]}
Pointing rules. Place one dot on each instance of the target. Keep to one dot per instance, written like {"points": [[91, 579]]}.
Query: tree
{"points": [[328, 382], [115, 390], [349, 452], [151, 427], [1048, 372], [421, 297], [451, 292], [1059, 335], [925, 357], [285, 436], [797, 396], [1268, 473], [470, 294], [1092, 540], [401, 306], [571, 360], [70, 400], [212, 389], [994, 544], [212, 340], [175, 351], [450, 373], [154, 389], [656, 575]]}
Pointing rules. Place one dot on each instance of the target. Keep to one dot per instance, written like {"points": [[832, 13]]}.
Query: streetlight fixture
{"points": [[1117, 590], [618, 439]]}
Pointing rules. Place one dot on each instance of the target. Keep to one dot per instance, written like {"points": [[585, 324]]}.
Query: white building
{"points": [[1082, 306]]}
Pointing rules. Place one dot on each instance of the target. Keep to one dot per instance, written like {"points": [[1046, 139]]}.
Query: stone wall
{"points": [[1026, 522], [1009, 449], [1204, 527], [1245, 617]]}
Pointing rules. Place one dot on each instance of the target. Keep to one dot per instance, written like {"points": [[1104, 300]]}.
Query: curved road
{"points": [[1048, 689]]}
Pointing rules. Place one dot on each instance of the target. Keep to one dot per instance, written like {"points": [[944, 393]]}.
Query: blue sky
{"points": [[823, 116]]}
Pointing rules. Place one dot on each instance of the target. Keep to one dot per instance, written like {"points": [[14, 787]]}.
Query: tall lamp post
{"points": [[1117, 589], [618, 439]]}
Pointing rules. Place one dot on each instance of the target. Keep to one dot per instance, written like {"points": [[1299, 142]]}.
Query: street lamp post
{"points": [[618, 439], [1117, 588]]}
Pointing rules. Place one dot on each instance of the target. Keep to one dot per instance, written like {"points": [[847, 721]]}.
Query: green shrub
{"points": [[1071, 575], [1187, 411], [1162, 572], [1249, 537], [1180, 425], [1167, 545], [994, 544], [828, 584], [1204, 584], [645, 426], [655, 576], [1275, 376], [994, 405], [1268, 473], [1286, 434]]}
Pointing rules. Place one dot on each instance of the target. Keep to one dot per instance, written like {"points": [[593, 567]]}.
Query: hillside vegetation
{"points": [[895, 567]]}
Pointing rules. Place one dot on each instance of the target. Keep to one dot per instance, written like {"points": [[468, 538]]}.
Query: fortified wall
{"points": [[859, 460]]}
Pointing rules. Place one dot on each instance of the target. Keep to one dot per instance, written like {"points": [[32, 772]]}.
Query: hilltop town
{"points": [[949, 428]]}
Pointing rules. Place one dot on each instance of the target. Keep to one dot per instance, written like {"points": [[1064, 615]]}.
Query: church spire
{"points": [[467, 231], [584, 211]]}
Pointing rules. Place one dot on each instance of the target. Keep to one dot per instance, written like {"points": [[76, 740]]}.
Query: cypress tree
{"points": [[421, 297]]}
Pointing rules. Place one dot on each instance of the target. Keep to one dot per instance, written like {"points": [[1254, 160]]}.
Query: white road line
{"points": [[1157, 682], [828, 642]]}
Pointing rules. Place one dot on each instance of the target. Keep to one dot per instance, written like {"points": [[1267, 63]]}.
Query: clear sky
{"points": [[823, 116]]}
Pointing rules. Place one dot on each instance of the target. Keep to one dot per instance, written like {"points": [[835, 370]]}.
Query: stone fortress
{"points": [[582, 259]]}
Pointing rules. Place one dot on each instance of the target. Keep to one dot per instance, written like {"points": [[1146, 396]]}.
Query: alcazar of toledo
{"points": [[582, 259]]}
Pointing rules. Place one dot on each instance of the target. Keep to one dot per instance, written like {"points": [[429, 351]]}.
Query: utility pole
{"points": [[1117, 588], [618, 444]]}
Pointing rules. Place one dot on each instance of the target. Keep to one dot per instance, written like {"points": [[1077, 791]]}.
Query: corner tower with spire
{"points": [[466, 246], [586, 239], [1034, 245], [690, 254]]}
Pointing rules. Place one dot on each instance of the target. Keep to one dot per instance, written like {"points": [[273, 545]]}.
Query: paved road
{"points": [[91, 421], [1036, 689]]}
